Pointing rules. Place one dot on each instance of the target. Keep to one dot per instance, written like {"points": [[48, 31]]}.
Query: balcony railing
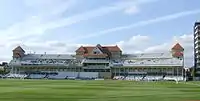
{"points": [[152, 64], [94, 61], [96, 67], [28, 63]]}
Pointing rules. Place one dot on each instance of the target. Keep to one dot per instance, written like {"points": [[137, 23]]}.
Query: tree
{"points": [[193, 73]]}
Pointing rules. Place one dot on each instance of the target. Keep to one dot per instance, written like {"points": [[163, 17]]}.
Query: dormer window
{"points": [[96, 50]]}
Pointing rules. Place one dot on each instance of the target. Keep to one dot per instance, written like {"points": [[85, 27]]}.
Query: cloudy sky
{"points": [[60, 26]]}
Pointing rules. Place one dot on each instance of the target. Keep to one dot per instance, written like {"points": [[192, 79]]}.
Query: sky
{"points": [[61, 26]]}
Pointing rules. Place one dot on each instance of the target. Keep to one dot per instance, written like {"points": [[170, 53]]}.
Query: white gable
{"points": [[96, 50]]}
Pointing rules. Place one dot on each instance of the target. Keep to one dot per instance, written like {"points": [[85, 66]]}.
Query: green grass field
{"points": [[108, 90]]}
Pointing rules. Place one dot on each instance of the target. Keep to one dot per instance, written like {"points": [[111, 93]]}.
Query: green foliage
{"points": [[2, 71], [193, 72]]}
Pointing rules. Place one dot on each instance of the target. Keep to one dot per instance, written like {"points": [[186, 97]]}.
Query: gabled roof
{"points": [[19, 48], [113, 48], [99, 47], [177, 46], [89, 49], [81, 49]]}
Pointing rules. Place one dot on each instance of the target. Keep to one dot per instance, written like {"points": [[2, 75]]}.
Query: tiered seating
{"points": [[46, 62], [149, 78], [48, 56], [139, 78], [149, 55], [95, 61], [68, 75], [58, 76], [76, 62], [64, 75], [46, 59], [96, 66], [116, 63], [154, 55], [173, 78], [151, 59], [130, 78], [88, 74], [118, 77], [134, 78], [16, 76], [160, 62], [37, 76], [148, 59], [159, 77], [49, 62], [153, 78]]}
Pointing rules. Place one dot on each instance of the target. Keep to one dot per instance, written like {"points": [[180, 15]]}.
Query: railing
{"points": [[116, 64], [45, 65], [96, 67], [95, 61], [122, 63], [152, 64], [149, 63]]}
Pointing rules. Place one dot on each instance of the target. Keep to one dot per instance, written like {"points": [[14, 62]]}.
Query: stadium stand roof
{"points": [[47, 56], [149, 55]]}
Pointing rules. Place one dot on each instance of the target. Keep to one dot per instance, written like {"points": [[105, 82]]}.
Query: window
{"points": [[96, 52]]}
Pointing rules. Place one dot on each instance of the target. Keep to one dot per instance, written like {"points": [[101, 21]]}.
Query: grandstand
{"points": [[94, 62]]}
